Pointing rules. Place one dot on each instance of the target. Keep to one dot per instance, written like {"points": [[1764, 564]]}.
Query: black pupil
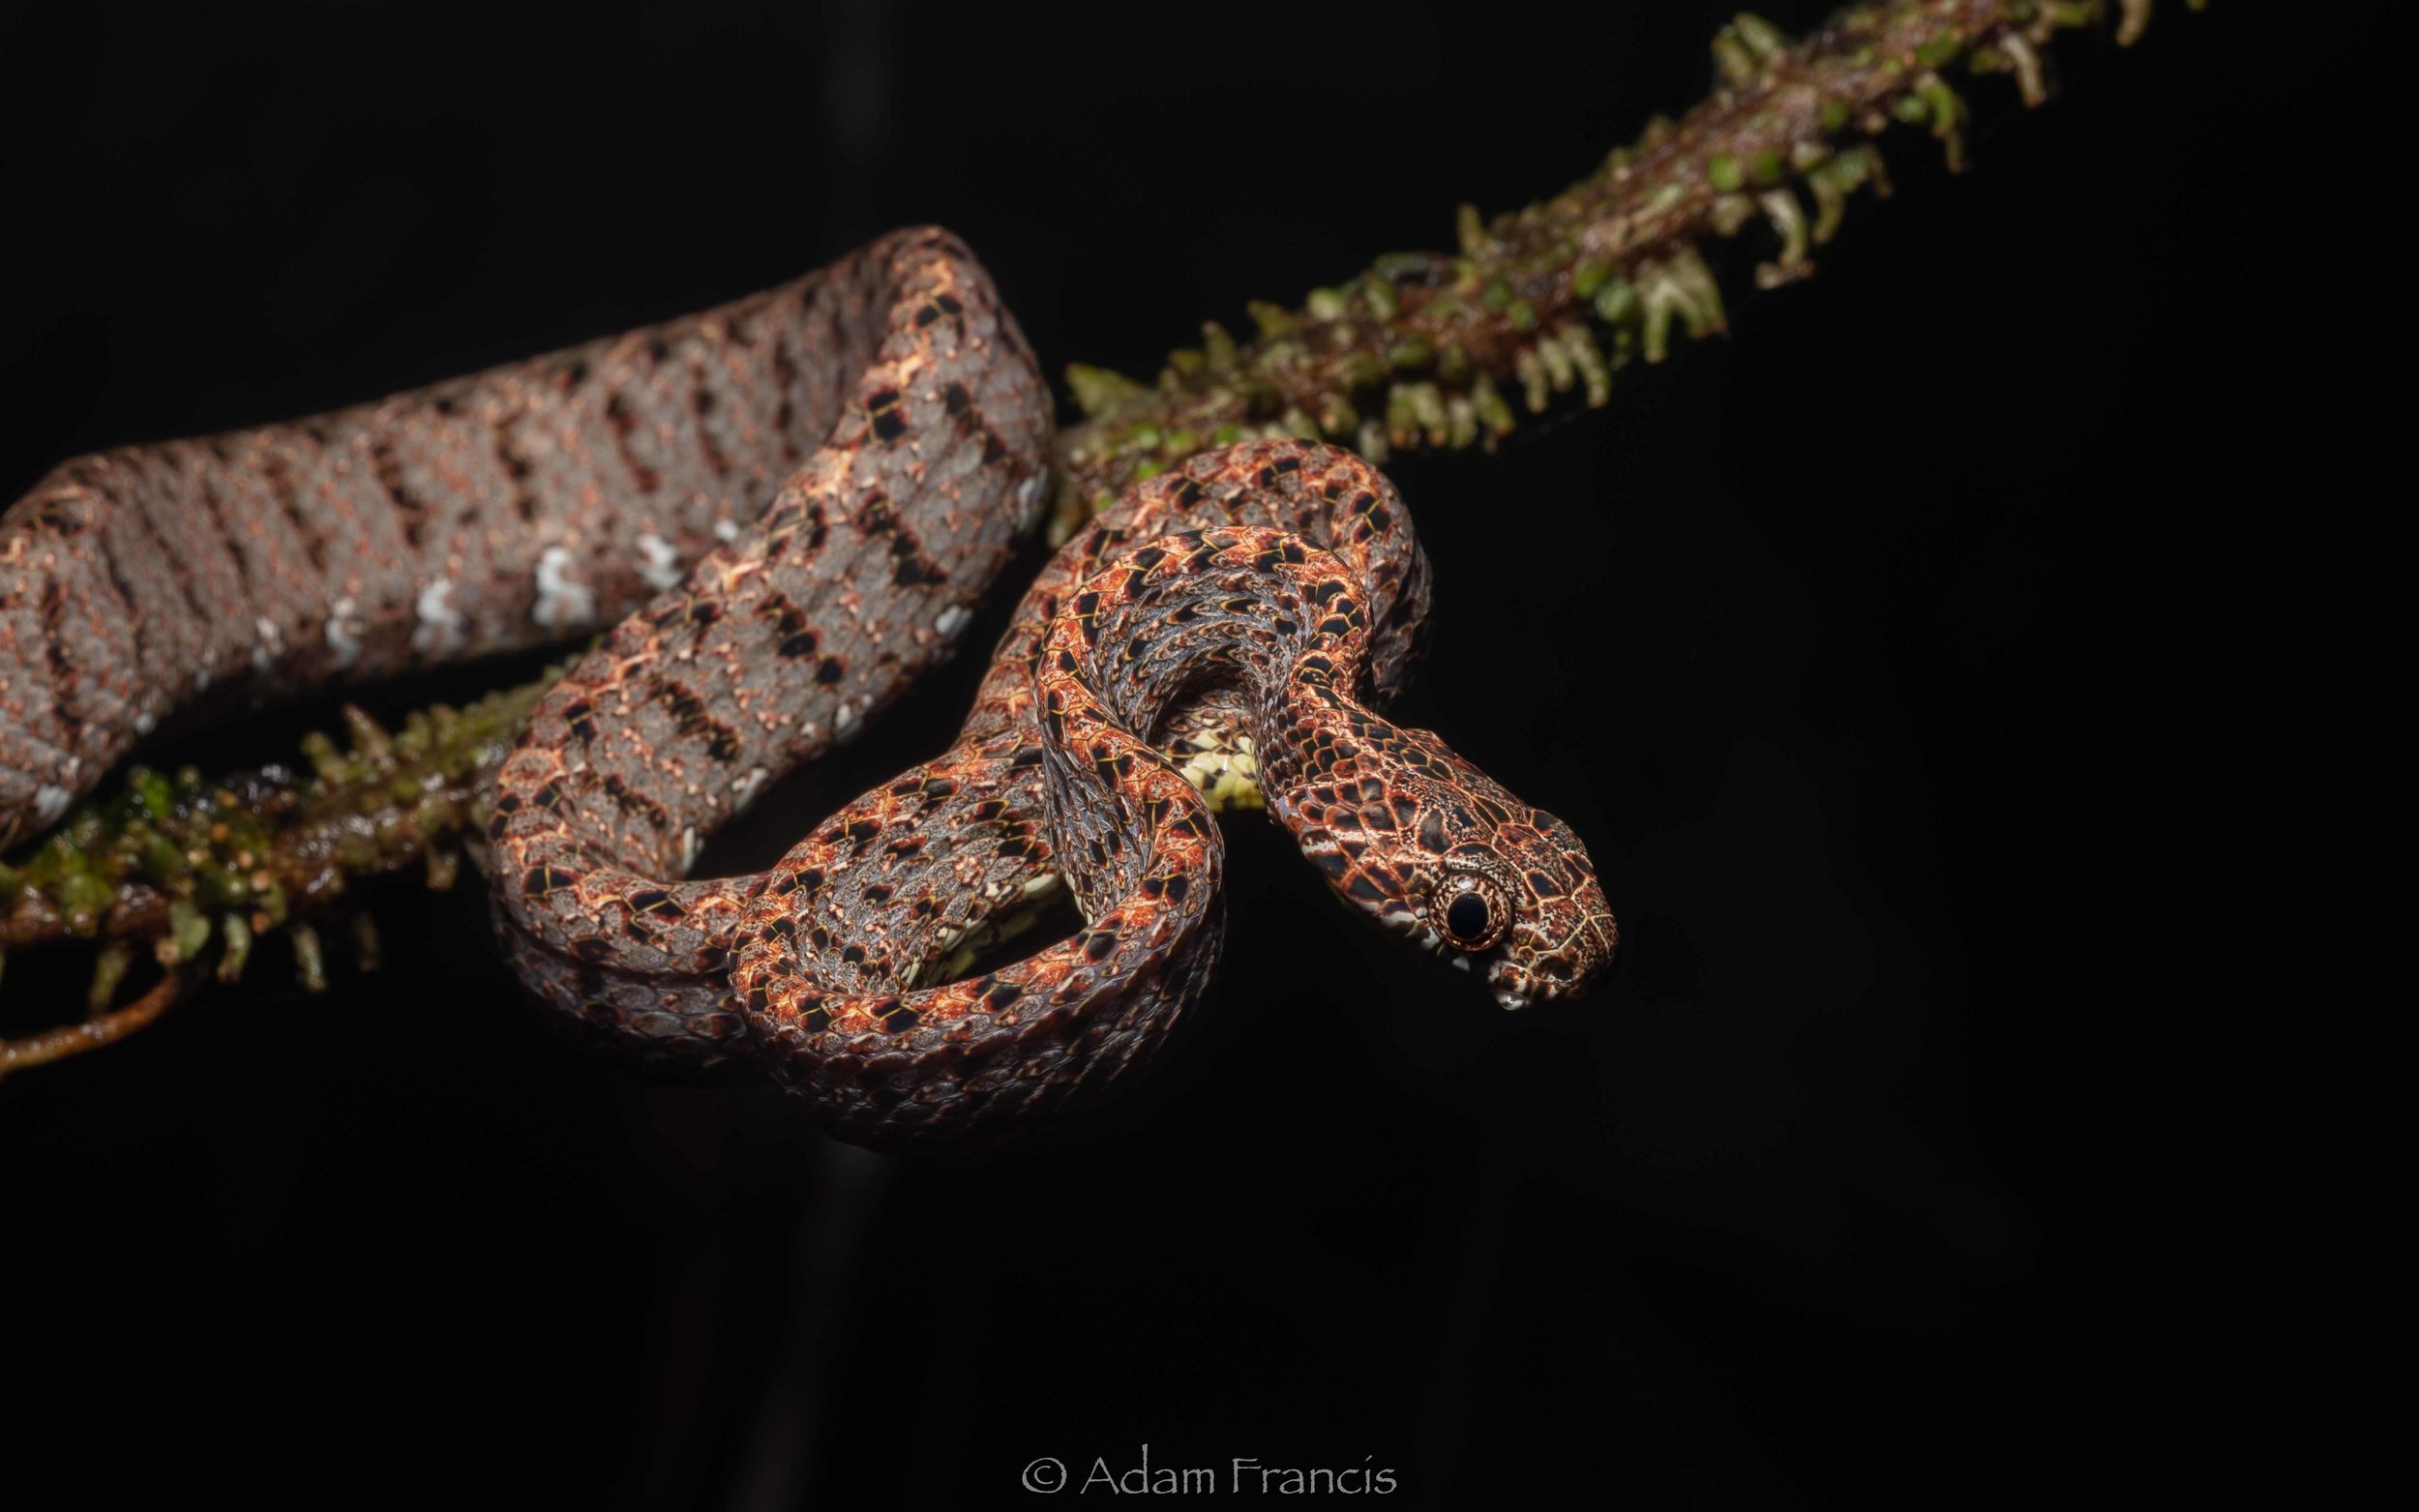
{"points": [[1466, 916]]}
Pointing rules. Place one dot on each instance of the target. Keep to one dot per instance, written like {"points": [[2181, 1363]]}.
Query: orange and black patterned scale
{"points": [[1273, 587]]}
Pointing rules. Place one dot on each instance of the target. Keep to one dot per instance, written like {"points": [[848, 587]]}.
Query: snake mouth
{"points": [[1515, 987], [1501, 975], [1517, 984]]}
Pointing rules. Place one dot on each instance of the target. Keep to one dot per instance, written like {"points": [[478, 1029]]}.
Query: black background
{"points": [[1931, 669]]}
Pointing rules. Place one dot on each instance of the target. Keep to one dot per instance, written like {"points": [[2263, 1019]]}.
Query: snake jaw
{"points": [[1513, 988]]}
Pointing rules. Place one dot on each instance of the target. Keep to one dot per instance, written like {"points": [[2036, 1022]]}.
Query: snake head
{"points": [[1441, 853]]}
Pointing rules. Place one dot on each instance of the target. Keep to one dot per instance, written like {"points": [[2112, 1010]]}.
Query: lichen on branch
{"points": [[1447, 348]]}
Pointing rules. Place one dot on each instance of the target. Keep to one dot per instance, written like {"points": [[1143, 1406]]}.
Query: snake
{"points": [[787, 508]]}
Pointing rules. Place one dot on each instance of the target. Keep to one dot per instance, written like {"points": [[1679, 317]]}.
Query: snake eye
{"points": [[1471, 912]]}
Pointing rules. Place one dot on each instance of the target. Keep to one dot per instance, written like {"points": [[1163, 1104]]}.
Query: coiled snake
{"points": [[1255, 600]]}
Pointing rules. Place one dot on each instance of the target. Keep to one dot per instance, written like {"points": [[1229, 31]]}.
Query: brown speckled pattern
{"points": [[525, 505], [775, 648]]}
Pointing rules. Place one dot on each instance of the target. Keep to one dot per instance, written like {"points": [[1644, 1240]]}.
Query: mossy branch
{"points": [[1434, 349], [1445, 348], [176, 866]]}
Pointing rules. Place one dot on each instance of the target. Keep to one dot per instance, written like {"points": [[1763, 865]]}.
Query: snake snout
{"points": [[1528, 969]]}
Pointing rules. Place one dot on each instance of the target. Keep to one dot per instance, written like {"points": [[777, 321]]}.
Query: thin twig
{"points": [[42, 1048]]}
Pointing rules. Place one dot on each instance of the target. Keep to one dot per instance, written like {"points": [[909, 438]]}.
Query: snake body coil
{"points": [[1264, 598]]}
